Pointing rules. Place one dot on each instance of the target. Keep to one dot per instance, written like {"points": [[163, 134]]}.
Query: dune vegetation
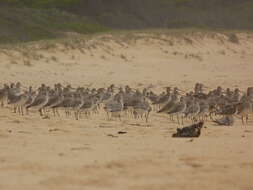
{"points": [[32, 20]]}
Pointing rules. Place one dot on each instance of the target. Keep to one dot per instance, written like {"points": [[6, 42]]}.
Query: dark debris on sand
{"points": [[189, 131]]}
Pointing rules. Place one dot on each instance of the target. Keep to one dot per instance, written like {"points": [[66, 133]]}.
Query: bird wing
{"points": [[177, 108], [167, 107]]}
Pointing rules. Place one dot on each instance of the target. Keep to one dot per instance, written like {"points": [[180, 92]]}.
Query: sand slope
{"points": [[61, 153], [133, 58]]}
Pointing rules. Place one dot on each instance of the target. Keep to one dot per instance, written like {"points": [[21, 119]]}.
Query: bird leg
{"points": [[171, 117], [210, 115], [147, 116], [76, 115], [53, 111], [107, 115], [178, 119], [18, 110], [80, 114], [22, 112], [41, 114], [182, 118], [27, 111], [15, 109], [66, 113], [56, 110]]}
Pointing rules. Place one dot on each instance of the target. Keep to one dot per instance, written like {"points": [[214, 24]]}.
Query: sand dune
{"points": [[61, 153], [135, 58]]}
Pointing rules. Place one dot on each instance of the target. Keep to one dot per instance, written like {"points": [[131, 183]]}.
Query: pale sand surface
{"points": [[61, 153]]}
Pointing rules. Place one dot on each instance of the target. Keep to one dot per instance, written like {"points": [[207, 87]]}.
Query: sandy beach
{"points": [[62, 153]]}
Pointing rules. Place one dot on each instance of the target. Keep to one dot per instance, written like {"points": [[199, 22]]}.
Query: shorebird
{"points": [[192, 110], [218, 91], [141, 109], [199, 88], [170, 105], [4, 94], [88, 106], [22, 102], [236, 96], [212, 103], [163, 98], [67, 103], [40, 101], [115, 107], [228, 109], [61, 102], [13, 94], [227, 120], [54, 98], [204, 110], [244, 108], [130, 99], [229, 93], [179, 109], [77, 105], [17, 100], [152, 96], [31, 97], [250, 91]]}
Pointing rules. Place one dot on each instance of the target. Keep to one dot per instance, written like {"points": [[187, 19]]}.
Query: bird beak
{"points": [[181, 90]]}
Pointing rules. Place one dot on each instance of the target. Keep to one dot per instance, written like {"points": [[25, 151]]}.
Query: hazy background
{"points": [[40, 19]]}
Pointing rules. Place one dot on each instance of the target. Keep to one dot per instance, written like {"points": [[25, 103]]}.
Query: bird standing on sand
{"points": [[3, 94], [204, 110], [178, 110], [142, 108], [193, 110], [244, 108], [115, 107], [40, 101]]}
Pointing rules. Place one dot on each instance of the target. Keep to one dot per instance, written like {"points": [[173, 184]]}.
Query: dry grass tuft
{"points": [[13, 62], [233, 38], [54, 58], [222, 52], [27, 63]]}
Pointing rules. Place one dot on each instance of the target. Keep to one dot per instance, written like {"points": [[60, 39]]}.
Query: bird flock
{"points": [[200, 104]]}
